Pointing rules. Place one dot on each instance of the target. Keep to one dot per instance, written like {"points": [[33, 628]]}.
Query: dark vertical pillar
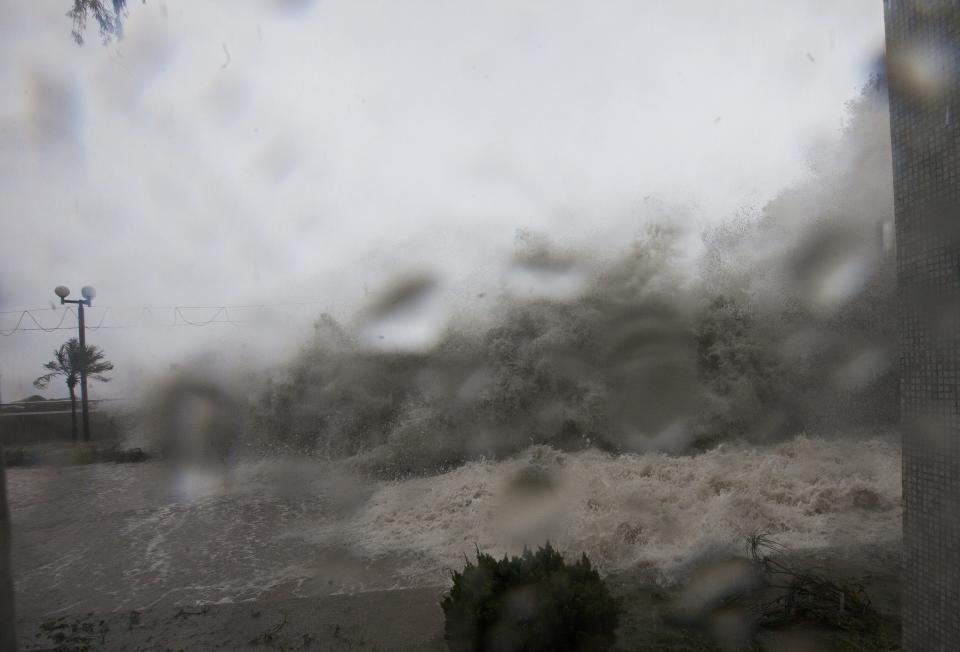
{"points": [[85, 407], [923, 37], [8, 638]]}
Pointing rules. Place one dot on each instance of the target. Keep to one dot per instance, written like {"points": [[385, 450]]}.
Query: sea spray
{"points": [[785, 324]]}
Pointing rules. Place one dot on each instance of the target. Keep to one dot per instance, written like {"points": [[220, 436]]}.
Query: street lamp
{"points": [[88, 293]]}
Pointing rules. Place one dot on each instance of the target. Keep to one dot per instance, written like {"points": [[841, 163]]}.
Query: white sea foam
{"points": [[654, 511], [284, 528]]}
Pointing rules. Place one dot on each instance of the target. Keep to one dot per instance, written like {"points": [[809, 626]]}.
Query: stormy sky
{"points": [[279, 152]]}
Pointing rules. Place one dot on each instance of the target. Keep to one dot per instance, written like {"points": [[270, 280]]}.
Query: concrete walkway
{"points": [[409, 619]]}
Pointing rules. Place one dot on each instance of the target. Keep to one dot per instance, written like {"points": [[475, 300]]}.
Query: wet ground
{"points": [[114, 537], [201, 553]]}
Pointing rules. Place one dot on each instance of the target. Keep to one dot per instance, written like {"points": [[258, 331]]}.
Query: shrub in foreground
{"points": [[531, 603]]}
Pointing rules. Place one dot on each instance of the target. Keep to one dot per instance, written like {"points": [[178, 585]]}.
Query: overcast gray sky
{"points": [[292, 151]]}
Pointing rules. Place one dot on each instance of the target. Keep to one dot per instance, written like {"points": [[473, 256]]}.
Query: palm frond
{"points": [[71, 359], [43, 381]]}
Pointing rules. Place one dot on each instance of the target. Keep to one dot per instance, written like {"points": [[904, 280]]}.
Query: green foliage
{"points": [[531, 603], [109, 19], [70, 359]]}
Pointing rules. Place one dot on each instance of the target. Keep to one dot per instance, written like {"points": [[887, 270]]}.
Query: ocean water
{"points": [[108, 537]]}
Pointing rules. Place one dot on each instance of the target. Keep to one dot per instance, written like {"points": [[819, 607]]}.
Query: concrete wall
{"points": [[923, 37], [22, 430]]}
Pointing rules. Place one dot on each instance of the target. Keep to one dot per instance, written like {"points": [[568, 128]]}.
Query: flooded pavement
{"points": [[106, 537]]}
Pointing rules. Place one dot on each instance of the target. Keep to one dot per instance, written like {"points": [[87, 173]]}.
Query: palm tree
{"points": [[109, 20], [68, 361]]}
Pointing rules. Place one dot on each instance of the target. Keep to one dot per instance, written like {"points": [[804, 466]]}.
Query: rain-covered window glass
{"points": [[314, 311]]}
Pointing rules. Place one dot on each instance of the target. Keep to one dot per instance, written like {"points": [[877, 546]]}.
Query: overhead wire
{"points": [[178, 317]]}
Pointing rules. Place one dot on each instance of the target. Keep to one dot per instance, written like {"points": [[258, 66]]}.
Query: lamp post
{"points": [[88, 293]]}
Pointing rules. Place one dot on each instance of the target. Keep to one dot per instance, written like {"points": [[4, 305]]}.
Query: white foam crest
{"points": [[652, 511]]}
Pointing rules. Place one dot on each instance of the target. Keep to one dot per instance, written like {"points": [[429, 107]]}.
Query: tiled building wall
{"points": [[923, 53]]}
